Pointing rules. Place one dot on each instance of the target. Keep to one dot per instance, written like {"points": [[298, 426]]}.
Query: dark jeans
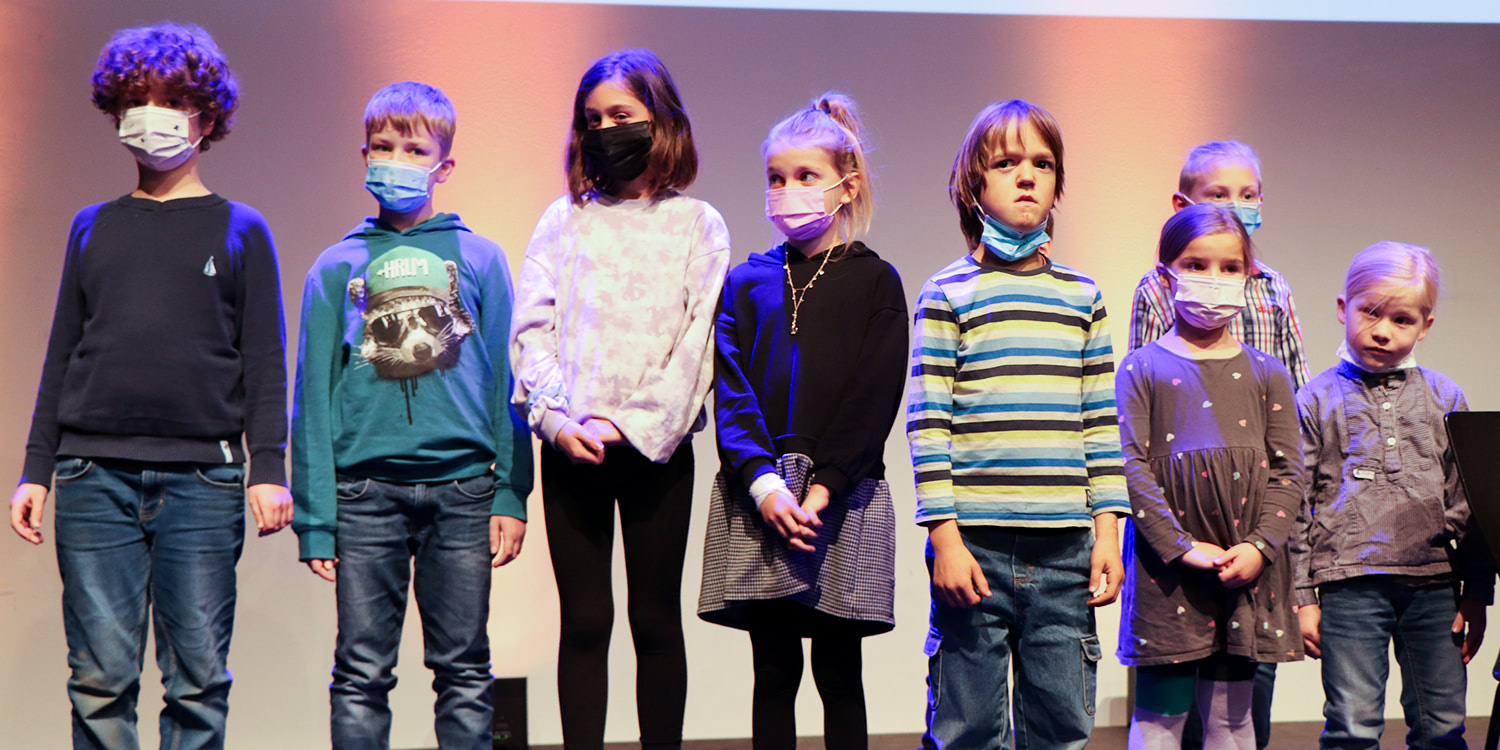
{"points": [[655, 506], [148, 539], [436, 539]]}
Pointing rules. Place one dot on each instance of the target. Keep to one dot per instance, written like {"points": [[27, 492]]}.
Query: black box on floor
{"points": [[509, 696]]}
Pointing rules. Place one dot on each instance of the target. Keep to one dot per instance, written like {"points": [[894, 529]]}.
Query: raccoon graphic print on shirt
{"points": [[414, 319]]}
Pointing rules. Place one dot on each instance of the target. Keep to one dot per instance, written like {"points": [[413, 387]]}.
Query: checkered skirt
{"points": [[851, 575]]}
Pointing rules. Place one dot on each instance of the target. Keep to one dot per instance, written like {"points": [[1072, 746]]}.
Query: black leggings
{"points": [[776, 645], [655, 503]]}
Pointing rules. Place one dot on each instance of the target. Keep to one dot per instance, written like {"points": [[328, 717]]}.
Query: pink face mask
{"points": [[797, 211]]}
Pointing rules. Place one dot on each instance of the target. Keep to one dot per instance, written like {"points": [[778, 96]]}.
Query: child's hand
{"points": [[816, 502], [603, 431], [780, 512], [271, 504], [506, 535], [26, 507], [1311, 618], [1106, 569], [1202, 556], [957, 579], [323, 568], [1239, 565], [1471, 613], [578, 445]]}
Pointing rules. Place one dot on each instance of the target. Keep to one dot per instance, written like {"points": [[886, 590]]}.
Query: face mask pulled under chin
{"points": [[158, 136], [1207, 302], [1010, 245]]}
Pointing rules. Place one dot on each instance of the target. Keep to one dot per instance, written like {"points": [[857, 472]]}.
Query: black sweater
{"points": [[168, 341], [833, 390]]}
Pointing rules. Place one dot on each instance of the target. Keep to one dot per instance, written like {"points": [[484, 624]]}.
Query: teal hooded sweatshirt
{"points": [[402, 371]]}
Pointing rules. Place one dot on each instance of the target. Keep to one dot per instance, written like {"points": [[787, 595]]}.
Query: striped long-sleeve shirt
{"points": [[1011, 416], [1268, 322]]}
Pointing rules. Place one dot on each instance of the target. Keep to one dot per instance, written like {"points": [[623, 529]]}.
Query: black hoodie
{"points": [[832, 391]]}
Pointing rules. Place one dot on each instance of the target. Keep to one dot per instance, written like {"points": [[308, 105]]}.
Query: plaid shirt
{"points": [[1268, 323]]}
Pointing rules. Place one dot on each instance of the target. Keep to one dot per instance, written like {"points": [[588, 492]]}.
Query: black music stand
{"points": [[1475, 439]]}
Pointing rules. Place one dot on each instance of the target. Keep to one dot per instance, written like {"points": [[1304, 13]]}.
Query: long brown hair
{"points": [[673, 162]]}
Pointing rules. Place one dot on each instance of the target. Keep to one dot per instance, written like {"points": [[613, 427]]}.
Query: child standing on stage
{"points": [[612, 347], [409, 466], [1011, 420], [1228, 173], [168, 285], [1210, 446], [811, 353], [1382, 551]]}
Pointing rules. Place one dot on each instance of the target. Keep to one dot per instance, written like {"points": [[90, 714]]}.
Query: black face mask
{"points": [[619, 153]]}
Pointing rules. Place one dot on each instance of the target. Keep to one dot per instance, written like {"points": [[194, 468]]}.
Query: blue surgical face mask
{"points": [[1248, 213], [1008, 244], [398, 186]]}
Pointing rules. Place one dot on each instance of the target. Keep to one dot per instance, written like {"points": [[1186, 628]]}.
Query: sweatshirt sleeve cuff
{"points": [[268, 467], [38, 470], [756, 468], [1304, 597], [315, 544], [509, 501], [551, 423], [1109, 500], [836, 481]]}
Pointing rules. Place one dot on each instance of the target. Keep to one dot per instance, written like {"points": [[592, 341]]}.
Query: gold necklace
{"points": [[800, 295]]}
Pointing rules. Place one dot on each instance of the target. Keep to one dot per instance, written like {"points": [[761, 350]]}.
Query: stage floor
{"points": [[1287, 736]]}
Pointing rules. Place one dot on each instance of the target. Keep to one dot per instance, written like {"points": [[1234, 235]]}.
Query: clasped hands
{"points": [[1236, 566], [797, 524]]}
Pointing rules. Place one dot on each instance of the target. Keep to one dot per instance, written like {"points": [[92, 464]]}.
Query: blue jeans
{"points": [[1360, 617], [161, 539], [383, 529], [1037, 623]]}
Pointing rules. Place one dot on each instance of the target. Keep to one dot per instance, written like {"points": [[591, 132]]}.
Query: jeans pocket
{"points": [[1092, 653], [481, 487], [222, 476], [71, 469], [351, 489], [934, 680]]}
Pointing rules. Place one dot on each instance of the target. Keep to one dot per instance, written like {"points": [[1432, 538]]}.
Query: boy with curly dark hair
{"points": [[165, 369]]}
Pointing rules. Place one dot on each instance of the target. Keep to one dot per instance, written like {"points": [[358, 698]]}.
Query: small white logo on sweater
{"points": [[208, 268]]}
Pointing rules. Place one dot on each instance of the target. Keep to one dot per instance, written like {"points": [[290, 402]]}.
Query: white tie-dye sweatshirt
{"points": [[614, 317]]}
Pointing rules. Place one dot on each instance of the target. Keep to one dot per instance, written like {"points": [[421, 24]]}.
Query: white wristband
{"points": [[766, 485]]}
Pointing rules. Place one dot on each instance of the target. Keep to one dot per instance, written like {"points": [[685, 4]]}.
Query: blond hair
{"points": [[1207, 157], [832, 123], [1385, 264], [408, 104]]}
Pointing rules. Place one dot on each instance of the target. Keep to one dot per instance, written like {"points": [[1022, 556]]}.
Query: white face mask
{"points": [[1208, 302], [158, 136]]}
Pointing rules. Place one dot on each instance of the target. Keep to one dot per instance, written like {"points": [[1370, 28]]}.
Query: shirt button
{"points": [[1386, 405], [1390, 441]]}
